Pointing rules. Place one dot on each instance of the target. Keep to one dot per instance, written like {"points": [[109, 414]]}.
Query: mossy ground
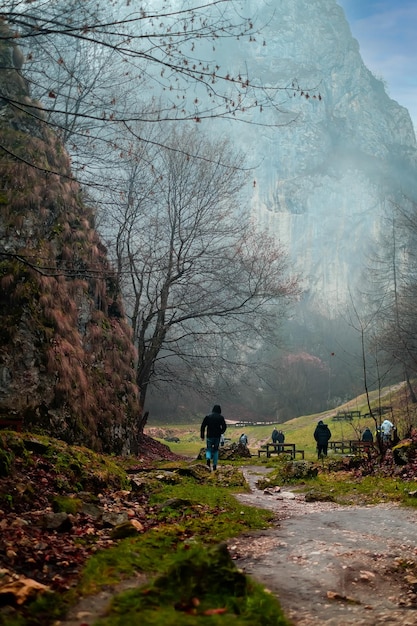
{"points": [[202, 586], [190, 513]]}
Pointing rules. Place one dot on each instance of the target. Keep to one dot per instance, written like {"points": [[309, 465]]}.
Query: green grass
{"points": [[188, 446], [190, 572], [345, 487], [366, 490], [206, 513], [299, 431], [215, 515], [202, 586], [147, 553]]}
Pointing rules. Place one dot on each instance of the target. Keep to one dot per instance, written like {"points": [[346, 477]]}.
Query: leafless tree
{"points": [[91, 63], [200, 283], [393, 290]]}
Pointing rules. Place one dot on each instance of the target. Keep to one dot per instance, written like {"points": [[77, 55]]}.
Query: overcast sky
{"points": [[387, 34]]}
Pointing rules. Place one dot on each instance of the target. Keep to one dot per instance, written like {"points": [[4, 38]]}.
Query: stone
{"points": [[57, 521], [94, 511], [114, 518], [127, 529]]}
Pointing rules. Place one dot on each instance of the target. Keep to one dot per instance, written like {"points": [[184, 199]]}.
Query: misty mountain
{"points": [[329, 163]]}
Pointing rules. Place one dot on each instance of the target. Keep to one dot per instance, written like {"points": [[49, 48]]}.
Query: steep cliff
{"points": [[328, 163], [66, 354]]}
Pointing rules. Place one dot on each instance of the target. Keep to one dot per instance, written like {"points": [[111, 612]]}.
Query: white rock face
{"points": [[325, 178]]}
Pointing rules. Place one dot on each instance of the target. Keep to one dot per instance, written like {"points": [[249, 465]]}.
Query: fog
{"points": [[332, 161]]}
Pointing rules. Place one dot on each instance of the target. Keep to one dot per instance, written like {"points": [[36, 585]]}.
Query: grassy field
{"points": [[298, 430], [295, 432]]}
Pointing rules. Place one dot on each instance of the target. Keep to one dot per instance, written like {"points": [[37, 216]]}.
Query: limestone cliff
{"points": [[329, 167], [66, 354]]}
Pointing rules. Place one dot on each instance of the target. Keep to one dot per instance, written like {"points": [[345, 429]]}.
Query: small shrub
{"points": [[6, 461]]}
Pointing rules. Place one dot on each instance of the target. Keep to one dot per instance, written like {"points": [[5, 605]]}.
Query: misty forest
{"points": [[215, 202]]}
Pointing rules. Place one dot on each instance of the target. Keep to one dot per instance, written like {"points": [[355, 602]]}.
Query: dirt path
{"points": [[331, 565], [328, 565]]}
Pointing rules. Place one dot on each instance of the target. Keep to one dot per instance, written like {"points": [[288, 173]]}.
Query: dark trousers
{"points": [[322, 449]]}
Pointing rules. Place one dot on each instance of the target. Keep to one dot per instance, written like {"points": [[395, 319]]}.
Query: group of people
{"points": [[277, 436], [215, 425], [386, 431]]}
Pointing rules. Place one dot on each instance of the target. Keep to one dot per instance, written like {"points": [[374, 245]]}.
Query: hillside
{"points": [[66, 354], [300, 429]]}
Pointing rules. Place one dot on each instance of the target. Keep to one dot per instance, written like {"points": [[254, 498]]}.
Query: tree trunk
{"points": [[410, 388], [142, 420]]}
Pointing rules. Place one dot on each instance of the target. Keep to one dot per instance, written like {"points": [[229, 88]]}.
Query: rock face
{"points": [[66, 354], [336, 158]]}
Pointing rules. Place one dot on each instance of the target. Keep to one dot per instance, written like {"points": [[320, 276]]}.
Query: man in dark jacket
{"points": [[280, 439], [322, 435], [216, 426], [367, 435]]}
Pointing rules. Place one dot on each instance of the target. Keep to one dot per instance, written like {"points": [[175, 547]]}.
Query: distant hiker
{"points": [[243, 439], [280, 439], [322, 435], [274, 436], [367, 435], [216, 426], [386, 429], [222, 440]]}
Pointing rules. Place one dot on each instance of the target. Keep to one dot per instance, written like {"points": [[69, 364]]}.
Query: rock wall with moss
{"points": [[66, 353]]}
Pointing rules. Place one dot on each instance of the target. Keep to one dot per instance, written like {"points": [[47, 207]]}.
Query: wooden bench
{"points": [[350, 447], [346, 415], [280, 448], [340, 446], [277, 448], [381, 410], [262, 450], [300, 452], [361, 446]]}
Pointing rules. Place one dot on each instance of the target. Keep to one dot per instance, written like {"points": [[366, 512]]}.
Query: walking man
{"points": [[322, 435], [216, 426]]}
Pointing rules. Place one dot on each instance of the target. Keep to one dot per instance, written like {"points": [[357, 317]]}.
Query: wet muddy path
{"points": [[331, 565]]}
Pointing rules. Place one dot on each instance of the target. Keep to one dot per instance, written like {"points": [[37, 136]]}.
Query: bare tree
{"points": [[199, 282], [393, 290], [90, 65]]}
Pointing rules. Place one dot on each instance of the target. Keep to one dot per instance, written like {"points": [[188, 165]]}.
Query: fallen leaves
{"points": [[17, 590], [214, 611], [334, 595], [51, 555]]}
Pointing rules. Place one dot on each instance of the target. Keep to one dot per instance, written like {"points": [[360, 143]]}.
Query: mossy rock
{"points": [[198, 471], [300, 470], [202, 583], [404, 452], [229, 452], [314, 495], [66, 504]]}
